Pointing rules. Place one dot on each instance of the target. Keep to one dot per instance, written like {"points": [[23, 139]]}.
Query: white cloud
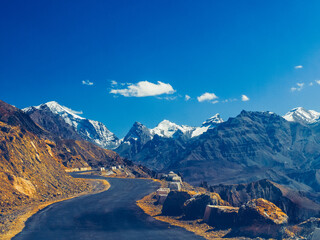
{"points": [[311, 84], [187, 97], [298, 67], [171, 98], [215, 101], [113, 82], [244, 98], [207, 97], [298, 87], [230, 100], [317, 82], [293, 89], [144, 89], [87, 82]]}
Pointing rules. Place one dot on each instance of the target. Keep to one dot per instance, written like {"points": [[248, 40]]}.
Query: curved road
{"points": [[112, 214]]}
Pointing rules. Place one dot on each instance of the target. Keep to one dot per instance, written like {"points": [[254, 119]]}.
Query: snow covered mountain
{"points": [[213, 121], [208, 124], [302, 116], [66, 123], [166, 133], [168, 129]]}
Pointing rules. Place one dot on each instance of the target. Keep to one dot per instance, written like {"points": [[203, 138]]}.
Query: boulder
{"points": [[163, 191], [261, 211], [261, 218], [221, 216], [175, 186], [194, 207], [217, 200], [294, 203], [161, 198], [173, 205]]}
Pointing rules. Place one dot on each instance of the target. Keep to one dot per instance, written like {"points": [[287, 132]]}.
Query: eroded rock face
{"points": [[221, 216], [173, 205], [194, 207], [293, 203]]}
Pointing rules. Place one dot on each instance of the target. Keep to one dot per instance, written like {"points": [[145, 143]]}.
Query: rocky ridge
{"points": [[65, 123]]}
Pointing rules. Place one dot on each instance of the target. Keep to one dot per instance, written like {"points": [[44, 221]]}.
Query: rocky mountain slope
{"points": [[29, 171], [249, 147], [142, 144], [33, 163], [65, 123]]}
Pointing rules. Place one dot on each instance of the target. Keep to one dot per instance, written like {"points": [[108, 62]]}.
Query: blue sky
{"points": [[168, 49]]}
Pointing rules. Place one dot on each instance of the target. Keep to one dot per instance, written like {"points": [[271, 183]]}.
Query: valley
{"points": [[156, 120], [238, 162]]}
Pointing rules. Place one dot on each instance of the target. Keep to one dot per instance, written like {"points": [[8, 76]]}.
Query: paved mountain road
{"points": [[112, 214]]}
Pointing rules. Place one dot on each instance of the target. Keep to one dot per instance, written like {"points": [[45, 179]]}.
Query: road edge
{"points": [[19, 223]]}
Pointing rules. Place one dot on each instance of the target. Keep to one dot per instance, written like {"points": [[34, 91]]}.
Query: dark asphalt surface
{"points": [[112, 214]]}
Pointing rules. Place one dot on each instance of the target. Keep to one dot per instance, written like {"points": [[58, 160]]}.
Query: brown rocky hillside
{"points": [[33, 162], [30, 172]]}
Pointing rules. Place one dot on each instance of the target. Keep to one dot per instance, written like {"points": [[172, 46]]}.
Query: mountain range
{"points": [[248, 147], [67, 123]]}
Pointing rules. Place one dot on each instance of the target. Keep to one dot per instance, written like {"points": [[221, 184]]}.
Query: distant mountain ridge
{"points": [[67, 124], [144, 143], [302, 116], [64, 122], [249, 147]]}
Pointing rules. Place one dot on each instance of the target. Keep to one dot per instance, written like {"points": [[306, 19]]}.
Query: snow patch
{"points": [[302, 115]]}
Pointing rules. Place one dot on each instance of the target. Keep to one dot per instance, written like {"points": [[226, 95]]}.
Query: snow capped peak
{"points": [[90, 130], [59, 109], [302, 115], [56, 108], [208, 124], [166, 129], [166, 124], [213, 121]]}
